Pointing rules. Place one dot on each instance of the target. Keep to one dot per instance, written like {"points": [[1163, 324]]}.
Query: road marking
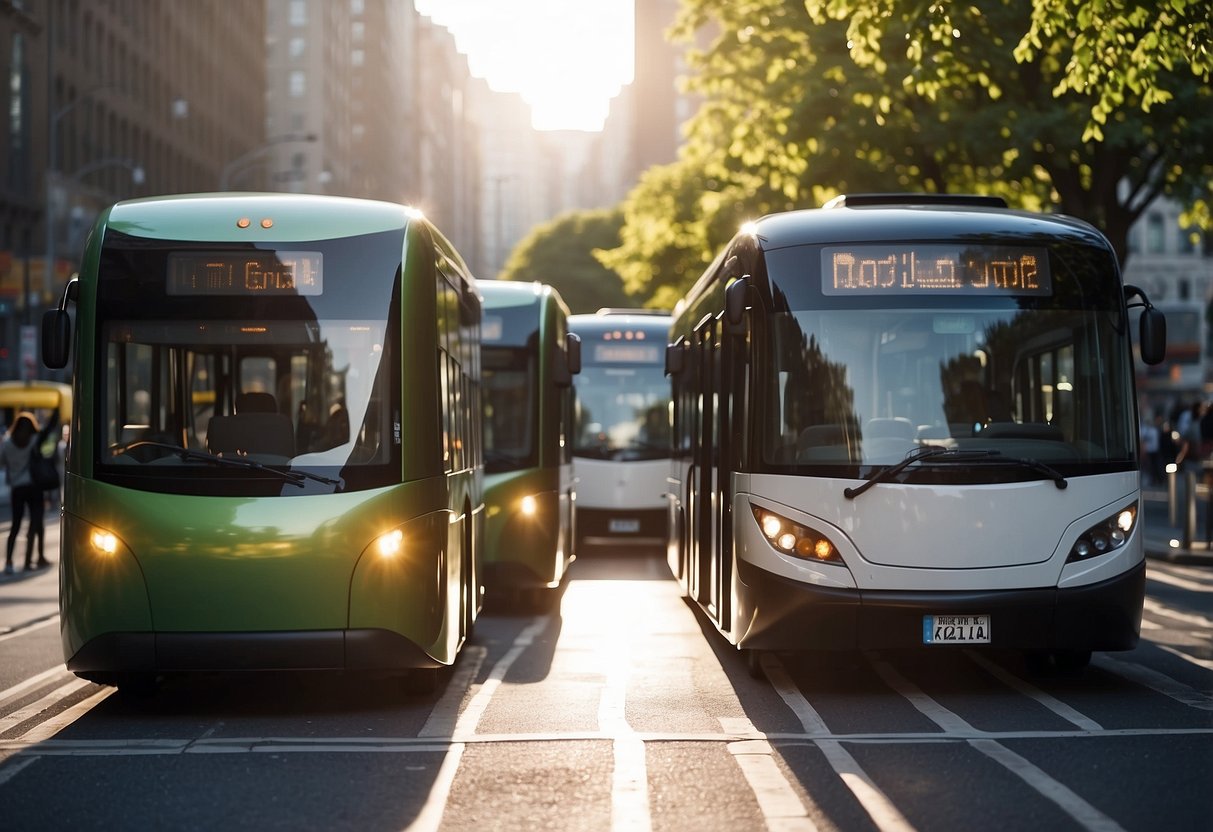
{"points": [[32, 682], [1046, 786], [429, 819], [781, 808], [629, 778], [46, 730], [1070, 803], [441, 721], [873, 801], [1154, 680], [1049, 701], [34, 708], [431, 745]]}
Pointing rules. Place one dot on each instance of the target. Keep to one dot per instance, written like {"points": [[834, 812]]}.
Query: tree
{"points": [[561, 253], [801, 102]]}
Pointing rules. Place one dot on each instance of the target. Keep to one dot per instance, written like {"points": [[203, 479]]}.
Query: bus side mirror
{"points": [[735, 304], [1152, 337], [567, 361], [572, 347], [674, 358], [56, 338]]}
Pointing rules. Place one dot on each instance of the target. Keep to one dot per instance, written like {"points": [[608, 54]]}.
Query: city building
{"points": [[103, 104]]}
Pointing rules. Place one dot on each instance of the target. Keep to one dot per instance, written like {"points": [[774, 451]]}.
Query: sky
{"points": [[566, 58]]}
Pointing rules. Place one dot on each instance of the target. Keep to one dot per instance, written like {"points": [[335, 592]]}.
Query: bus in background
{"points": [[528, 360], [621, 444], [908, 421], [275, 459], [1181, 379]]}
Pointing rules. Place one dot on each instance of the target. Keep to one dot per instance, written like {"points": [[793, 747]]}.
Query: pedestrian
{"points": [[15, 452]]}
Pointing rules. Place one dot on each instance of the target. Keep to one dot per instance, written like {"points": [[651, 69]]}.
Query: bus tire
{"points": [[135, 684]]}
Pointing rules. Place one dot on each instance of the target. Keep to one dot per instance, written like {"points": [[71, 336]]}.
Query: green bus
{"points": [[528, 359], [246, 488]]}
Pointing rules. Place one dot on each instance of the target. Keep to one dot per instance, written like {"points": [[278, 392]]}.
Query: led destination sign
{"points": [[245, 273], [890, 269]]}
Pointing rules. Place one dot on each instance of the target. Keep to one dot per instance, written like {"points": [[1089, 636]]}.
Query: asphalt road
{"points": [[619, 710]]}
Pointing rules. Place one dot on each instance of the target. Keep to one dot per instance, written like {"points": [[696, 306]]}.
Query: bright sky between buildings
{"points": [[566, 58]]}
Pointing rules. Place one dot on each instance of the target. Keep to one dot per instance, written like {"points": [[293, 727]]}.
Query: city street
{"points": [[620, 710]]}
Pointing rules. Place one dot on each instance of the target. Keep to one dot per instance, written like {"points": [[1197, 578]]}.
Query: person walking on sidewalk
{"points": [[15, 452]]}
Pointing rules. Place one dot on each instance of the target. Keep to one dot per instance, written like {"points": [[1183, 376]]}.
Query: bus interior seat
{"points": [[252, 433], [897, 427], [256, 402]]}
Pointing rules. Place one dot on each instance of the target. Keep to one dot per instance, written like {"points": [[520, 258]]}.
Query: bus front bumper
{"points": [[780, 614], [361, 649]]}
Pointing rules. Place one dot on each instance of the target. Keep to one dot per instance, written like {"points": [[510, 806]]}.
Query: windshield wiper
{"points": [[293, 477], [954, 455]]}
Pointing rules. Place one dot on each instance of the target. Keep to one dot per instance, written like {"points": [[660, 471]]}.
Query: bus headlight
{"points": [[390, 545], [795, 539], [1106, 536], [529, 506], [103, 542]]}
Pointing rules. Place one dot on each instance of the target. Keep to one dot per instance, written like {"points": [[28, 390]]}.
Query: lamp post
{"points": [[245, 160]]}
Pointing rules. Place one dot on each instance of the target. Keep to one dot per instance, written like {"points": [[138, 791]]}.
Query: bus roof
{"points": [[255, 217], [597, 323], [511, 292], [933, 220]]}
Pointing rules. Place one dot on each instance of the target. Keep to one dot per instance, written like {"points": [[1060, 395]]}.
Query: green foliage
{"points": [[803, 99], [562, 253]]}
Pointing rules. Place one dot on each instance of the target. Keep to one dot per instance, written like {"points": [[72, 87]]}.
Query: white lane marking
{"points": [[429, 819], [1147, 624], [1164, 611], [441, 721], [34, 708], [876, 803], [928, 707], [1205, 663], [32, 682], [1045, 785], [11, 770], [777, 800], [1049, 701], [411, 745], [1154, 680], [46, 730], [29, 628], [1073, 805], [629, 779]]}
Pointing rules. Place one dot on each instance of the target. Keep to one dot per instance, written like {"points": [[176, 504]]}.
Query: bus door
{"points": [[709, 458]]}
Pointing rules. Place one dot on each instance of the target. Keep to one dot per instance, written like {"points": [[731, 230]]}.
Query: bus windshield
{"points": [[862, 380], [510, 421], [278, 356], [622, 411]]}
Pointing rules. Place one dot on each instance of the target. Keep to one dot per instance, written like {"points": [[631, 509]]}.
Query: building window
{"points": [[357, 58], [1189, 239], [298, 13], [18, 124], [1185, 289], [1154, 234], [297, 47], [298, 83]]}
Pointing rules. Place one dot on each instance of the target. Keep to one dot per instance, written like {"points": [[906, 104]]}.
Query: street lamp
{"points": [[244, 161]]}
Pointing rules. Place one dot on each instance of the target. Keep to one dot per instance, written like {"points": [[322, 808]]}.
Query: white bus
{"points": [[910, 421], [621, 439]]}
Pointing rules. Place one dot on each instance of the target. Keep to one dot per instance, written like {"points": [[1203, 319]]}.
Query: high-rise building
{"points": [[103, 104]]}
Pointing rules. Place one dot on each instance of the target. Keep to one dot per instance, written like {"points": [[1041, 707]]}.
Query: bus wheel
{"points": [[1057, 662]]}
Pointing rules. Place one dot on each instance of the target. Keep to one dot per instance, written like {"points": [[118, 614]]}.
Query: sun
{"points": [[567, 60]]}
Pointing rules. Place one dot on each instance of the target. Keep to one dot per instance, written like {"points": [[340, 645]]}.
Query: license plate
{"points": [[956, 629], [624, 526]]}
